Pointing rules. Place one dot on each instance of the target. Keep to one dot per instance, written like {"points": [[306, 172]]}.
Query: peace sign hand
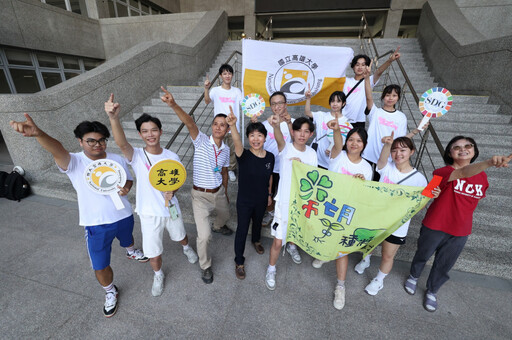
{"points": [[395, 55], [27, 128], [167, 97], [308, 92], [112, 109], [368, 70]]}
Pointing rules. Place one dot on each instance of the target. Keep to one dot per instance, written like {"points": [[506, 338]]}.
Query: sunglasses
{"points": [[460, 147]]}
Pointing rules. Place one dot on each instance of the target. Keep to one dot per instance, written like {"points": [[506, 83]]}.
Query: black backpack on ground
{"points": [[13, 186]]}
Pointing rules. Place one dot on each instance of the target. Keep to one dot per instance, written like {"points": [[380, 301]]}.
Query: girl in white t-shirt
{"points": [[383, 121], [324, 135], [346, 159], [397, 171]]}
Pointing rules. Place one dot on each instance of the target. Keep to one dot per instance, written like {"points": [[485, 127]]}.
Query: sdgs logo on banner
{"points": [[292, 77]]}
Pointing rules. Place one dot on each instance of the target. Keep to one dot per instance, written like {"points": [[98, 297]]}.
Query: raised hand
{"points": [[254, 119], [167, 97], [231, 118], [207, 83], [500, 161], [308, 92], [368, 70], [27, 128], [388, 139], [286, 117], [274, 121], [123, 191], [112, 109], [333, 125], [395, 55]]}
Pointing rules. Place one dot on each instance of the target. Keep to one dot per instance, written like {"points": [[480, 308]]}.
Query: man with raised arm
{"points": [[98, 215], [223, 97], [210, 177], [150, 203]]}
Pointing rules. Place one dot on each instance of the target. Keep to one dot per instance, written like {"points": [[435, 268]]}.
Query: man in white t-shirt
{"points": [[223, 97], [210, 177], [356, 101], [98, 214], [150, 203]]}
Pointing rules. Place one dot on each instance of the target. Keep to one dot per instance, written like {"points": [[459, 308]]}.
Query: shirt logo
{"points": [[227, 99], [471, 190], [385, 122]]}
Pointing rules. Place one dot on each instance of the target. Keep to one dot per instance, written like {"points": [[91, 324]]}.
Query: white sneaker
{"points": [[268, 218], [374, 286], [110, 306], [294, 252], [158, 285], [270, 280], [339, 297], [318, 263], [362, 265], [232, 176], [190, 254]]}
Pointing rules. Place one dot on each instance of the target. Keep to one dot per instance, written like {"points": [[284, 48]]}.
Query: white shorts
{"points": [[282, 223], [152, 228]]}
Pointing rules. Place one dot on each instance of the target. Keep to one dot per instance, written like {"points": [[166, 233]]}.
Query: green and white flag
{"points": [[332, 215]]}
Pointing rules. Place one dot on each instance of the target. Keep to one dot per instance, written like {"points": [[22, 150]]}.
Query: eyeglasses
{"points": [[277, 104], [460, 147], [93, 142]]}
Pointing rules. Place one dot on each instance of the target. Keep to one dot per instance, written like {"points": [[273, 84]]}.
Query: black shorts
{"points": [[396, 240]]}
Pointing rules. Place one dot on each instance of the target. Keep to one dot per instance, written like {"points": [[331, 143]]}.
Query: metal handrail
{"points": [[365, 26], [268, 30], [198, 102]]}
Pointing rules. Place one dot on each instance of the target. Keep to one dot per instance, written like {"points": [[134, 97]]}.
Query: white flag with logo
{"points": [[269, 67]]}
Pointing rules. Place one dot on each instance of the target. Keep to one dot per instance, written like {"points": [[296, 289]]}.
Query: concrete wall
{"points": [[34, 25], [119, 34], [172, 6], [492, 18], [461, 58], [133, 76]]}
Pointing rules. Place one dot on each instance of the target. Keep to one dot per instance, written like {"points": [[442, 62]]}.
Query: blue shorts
{"points": [[99, 240]]}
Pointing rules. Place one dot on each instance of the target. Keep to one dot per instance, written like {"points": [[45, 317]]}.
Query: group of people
{"points": [[342, 145]]}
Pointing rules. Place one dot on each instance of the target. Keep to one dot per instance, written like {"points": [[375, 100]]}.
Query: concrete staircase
{"points": [[487, 251]]}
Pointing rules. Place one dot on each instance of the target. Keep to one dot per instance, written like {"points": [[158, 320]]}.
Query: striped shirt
{"points": [[209, 161]]}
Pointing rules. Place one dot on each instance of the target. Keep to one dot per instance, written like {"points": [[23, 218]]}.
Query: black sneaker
{"points": [[110, 307], [224, 230], [207, 275]]}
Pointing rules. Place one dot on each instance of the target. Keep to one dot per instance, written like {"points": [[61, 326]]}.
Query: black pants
{"points": [[447, 248], [246, 212]]}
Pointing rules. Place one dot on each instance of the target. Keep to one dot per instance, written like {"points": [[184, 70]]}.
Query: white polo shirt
{"points": [[209, 161]]}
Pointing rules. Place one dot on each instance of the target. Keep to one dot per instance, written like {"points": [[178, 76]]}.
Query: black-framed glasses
{"points": [[93, 142], [460, 147]]}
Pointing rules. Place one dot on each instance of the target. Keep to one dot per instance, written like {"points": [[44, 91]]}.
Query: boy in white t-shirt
{"points": [[223, 97], [356, 101], [150, 203], [99, 216], [303, 129]]}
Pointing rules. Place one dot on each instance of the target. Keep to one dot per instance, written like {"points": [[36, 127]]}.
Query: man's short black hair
{"points": [[226, 67], [144, 118], [297, 124], [367, 60], [277, 93], [87, 127]]}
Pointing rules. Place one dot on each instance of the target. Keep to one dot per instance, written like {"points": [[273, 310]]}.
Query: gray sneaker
{"points": [[270, 280], [294, 252], [268, 218], [190, 254], [158, 285]]}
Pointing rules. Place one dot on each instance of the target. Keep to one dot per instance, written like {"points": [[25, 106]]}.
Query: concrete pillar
{"points": [[393, 23], [250, 25], [96, 9]]}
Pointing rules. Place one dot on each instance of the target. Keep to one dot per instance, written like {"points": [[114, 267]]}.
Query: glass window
{"points": [[46, 60], [122, 11], [90, 64], [145, 8], [134, 3], [111, 11], [75, 6], [4, 86], [134, 13], [70, 63], [25, 81], [70, 75], [57, 3], [51, 78], [18, 57]]}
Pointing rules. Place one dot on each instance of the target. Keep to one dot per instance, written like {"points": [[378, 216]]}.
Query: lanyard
{"points": [[150, 165], [216, 156]]}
